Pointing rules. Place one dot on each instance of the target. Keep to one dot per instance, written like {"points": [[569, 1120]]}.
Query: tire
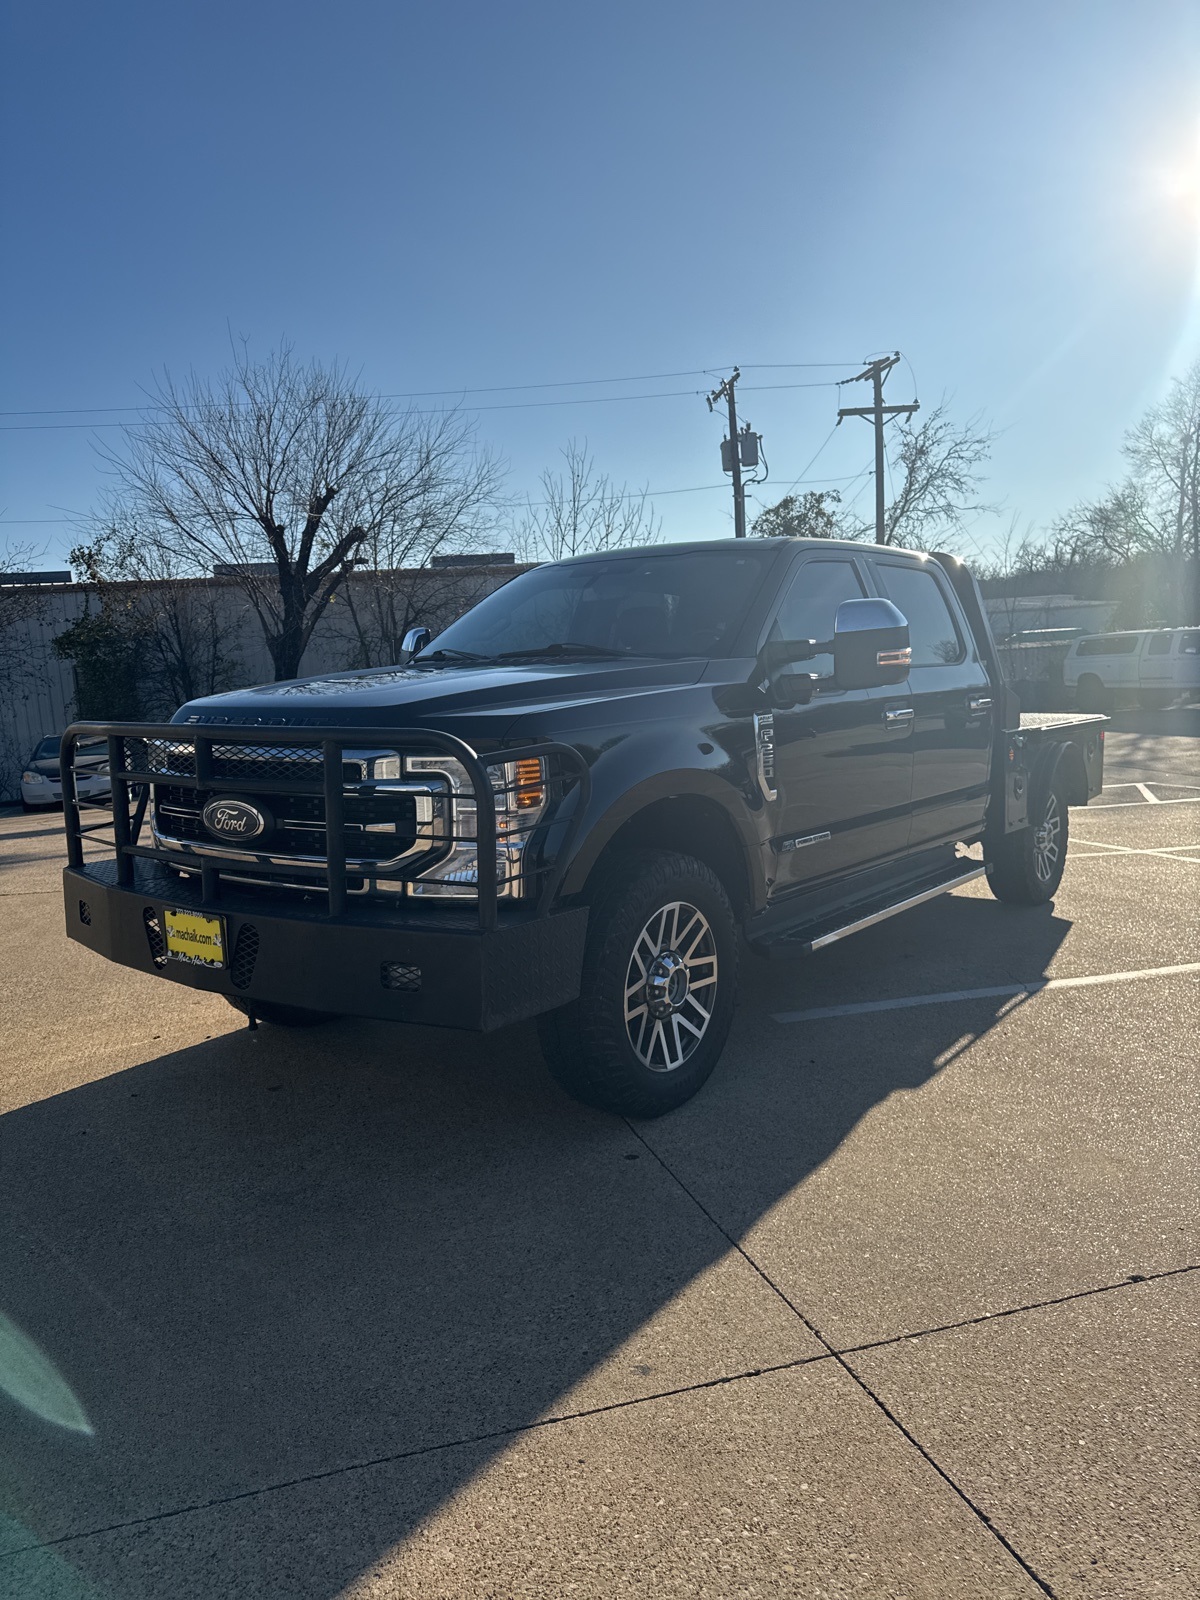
{"points": [[282, 1016], [664, 919], [1091, 695], [1026, 867]]}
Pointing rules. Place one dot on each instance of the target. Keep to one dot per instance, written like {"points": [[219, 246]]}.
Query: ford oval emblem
{"points": [[234, 819]]}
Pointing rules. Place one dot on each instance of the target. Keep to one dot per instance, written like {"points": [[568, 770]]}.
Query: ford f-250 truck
{"points": [[579, 799]]}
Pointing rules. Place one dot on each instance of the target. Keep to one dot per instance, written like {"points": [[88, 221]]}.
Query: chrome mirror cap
{"points": [[415, 641]]}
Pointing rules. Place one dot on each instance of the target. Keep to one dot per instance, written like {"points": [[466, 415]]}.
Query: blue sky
{"points": [[481, 195]]}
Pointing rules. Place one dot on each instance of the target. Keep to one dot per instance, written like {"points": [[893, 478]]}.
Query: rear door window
{"points": [[932, 630], [1160, 644]]}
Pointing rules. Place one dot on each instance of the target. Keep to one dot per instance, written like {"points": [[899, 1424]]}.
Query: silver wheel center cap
{"points": [[666, 984]]}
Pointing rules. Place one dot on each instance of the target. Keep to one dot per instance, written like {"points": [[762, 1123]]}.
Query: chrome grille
{"points": [[377, 827]]}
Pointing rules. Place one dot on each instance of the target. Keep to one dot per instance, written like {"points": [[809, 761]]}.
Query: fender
{"points": [[1068, 758], [615, 801]]}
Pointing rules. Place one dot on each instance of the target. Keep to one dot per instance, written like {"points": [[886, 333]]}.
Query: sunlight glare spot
{"points": [[30, 1378]]}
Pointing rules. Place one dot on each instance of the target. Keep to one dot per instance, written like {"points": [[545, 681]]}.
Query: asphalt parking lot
{"points": [[902, 1305]]}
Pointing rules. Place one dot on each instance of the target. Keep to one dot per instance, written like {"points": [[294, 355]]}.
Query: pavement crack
{"points": [[391, 1457], [1016, 1311], [838, 1358]]}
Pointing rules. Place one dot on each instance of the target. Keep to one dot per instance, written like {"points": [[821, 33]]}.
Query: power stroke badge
{"points": [[764, 745]]}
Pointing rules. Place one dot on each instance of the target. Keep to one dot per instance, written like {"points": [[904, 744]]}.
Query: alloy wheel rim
{"points": [[1046, 841], [670, 986]]}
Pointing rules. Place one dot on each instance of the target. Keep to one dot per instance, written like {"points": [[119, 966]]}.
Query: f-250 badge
{"points": [[764, 745]]}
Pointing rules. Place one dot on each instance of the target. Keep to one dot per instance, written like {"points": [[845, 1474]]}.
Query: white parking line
{"points": [[1147, 794], [998, 992], [1168, 850], [1123, 805]]}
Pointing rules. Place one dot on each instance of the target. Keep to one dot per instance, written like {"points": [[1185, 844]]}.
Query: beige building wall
{"points": [[39, 698]]}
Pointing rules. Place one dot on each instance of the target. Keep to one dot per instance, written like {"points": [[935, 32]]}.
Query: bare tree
{"points": [[396, 586], [584, 510], [936, 476], [937, 471], [1153, 516], [185, 627], [286, 475], [19, 602]]}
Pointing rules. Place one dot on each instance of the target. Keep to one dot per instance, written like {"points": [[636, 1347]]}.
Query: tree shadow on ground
{"points": [[270, 1257]]}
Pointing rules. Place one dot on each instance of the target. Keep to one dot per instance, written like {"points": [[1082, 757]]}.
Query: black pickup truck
{"points": [[578, 801]]}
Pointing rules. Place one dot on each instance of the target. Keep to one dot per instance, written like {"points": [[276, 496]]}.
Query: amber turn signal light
{"points": [[531, 787]]}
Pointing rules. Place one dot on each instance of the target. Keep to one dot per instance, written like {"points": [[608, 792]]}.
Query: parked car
{"points": [[41, 784], [1153, 666], [571, 803]]}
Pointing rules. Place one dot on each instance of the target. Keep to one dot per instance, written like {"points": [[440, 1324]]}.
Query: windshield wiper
{"points": [[452, 655], [565, 647]]}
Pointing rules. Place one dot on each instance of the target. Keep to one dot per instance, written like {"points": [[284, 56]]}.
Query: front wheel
{"points": [[657, 996], [281, 1016], [1026, 867]]}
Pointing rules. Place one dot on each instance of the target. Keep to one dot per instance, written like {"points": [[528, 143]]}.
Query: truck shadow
{"points": [[269, 1257]]}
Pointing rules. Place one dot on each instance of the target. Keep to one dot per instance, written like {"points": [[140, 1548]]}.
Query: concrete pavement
{"points": [[900, 1306]]}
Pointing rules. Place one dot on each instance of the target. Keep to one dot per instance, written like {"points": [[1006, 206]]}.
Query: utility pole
{"points": [[879, 413], [732, 455]]}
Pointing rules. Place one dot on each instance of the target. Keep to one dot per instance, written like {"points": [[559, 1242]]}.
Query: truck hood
{"points": [[490, 698]]}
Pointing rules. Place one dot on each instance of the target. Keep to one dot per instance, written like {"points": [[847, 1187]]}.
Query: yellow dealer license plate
{"points": [[195, 938]]}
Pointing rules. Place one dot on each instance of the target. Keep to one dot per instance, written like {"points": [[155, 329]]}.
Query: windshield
{"points": [[674, 604]]}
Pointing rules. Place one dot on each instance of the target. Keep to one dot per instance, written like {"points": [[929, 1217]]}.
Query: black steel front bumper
{"points": [[436, 966], [319, 944]]}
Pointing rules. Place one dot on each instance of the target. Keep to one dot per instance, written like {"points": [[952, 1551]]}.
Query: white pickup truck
{"points": [[1153, 666]]}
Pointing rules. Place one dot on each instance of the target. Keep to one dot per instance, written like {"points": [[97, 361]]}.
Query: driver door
{"points": [[843, 775]]}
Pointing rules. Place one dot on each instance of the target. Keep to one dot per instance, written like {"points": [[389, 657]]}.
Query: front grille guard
{"points": [[545, 842]]}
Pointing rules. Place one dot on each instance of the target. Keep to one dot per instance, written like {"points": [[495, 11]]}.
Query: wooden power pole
{"points": [[878, 413], [725, 392]]}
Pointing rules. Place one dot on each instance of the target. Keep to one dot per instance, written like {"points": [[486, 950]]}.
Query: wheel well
{"points": [[691, 826], [1071, 770]]}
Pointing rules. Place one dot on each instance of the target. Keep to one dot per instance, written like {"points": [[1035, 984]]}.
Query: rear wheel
{"points": [[282, 1016], [1026, 867], [1091, 695], [657, 997]]}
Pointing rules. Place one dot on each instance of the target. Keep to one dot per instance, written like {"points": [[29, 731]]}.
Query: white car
{"points": [[1153, 666], [41, 783]]}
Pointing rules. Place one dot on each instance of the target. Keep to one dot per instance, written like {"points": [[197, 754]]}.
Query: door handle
{"points": [[899, 716], [977, 704]]}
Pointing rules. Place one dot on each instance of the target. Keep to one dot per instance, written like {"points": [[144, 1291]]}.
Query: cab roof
{"points": [[739, 547]]}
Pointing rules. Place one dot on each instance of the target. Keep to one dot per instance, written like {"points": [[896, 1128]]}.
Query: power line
{"points": [[804, 470], [401, 394], [437, 411], [501, 388], [631, 494]]}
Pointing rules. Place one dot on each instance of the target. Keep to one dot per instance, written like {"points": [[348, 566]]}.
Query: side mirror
{"points": [[870, 644], [415, 641], [786, 689]]}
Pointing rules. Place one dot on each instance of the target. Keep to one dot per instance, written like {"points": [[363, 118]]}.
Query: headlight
{"points": [[34, 777], [519, 795]]}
